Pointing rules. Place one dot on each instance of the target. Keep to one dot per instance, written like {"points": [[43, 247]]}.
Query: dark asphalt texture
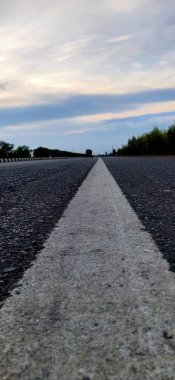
{"points": [[33, 196], [149, 186]]}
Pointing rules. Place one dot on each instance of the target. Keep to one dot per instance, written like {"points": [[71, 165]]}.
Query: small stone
{"points": [[17, 291], [167, 335]]}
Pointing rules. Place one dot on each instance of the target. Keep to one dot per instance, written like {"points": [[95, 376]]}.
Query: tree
{"points": [[156, 142], [41, 152], [171, 139], [5, 149], [22, 151]]}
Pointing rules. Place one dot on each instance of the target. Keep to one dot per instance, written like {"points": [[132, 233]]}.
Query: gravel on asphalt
{"points": [[33, 196], [149, 186]]}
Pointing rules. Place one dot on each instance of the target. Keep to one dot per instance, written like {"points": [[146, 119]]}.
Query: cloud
{"points": [[3, 86], [157, 117], [72, 134], [111, 46], [119, 39], [67, 59], [81, 105]]}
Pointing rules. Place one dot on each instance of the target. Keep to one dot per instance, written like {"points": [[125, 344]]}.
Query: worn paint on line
{"points": [[99, 301]]}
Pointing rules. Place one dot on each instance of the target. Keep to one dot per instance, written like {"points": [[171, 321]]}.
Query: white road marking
{"points": [[99, 300]]}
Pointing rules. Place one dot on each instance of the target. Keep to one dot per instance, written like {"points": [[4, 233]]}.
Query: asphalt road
{"points": [[149, 186], [33, 196], [98, 303]]}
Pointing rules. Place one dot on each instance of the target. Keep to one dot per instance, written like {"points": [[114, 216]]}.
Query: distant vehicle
{"points": [[88, 153]]}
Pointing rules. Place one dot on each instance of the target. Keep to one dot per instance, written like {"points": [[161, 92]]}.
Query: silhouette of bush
{"points": [[156, 142], [5, 149], [22, 152]]}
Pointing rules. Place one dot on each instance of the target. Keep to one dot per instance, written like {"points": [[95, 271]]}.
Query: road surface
{"points": [[149, 185], [33, 196], [98, 303]]}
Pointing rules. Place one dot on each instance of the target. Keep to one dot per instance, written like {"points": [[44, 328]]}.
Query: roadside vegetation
{"points": [[156, 142], [7, 150]]}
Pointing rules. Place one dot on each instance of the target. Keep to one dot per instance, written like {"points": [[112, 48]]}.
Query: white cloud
{"points": [[111, 46], [124, 5], [52, 48], [119, 39]]}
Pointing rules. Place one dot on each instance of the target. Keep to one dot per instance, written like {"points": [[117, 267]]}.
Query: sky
{"points": [[85, 74]]}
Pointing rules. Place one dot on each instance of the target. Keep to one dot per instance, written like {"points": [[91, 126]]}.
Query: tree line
{"points": [[156, 142], [7, 150]]}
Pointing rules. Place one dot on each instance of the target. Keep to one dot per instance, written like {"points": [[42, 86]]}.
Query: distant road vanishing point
{"points": [[98, 302]]}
